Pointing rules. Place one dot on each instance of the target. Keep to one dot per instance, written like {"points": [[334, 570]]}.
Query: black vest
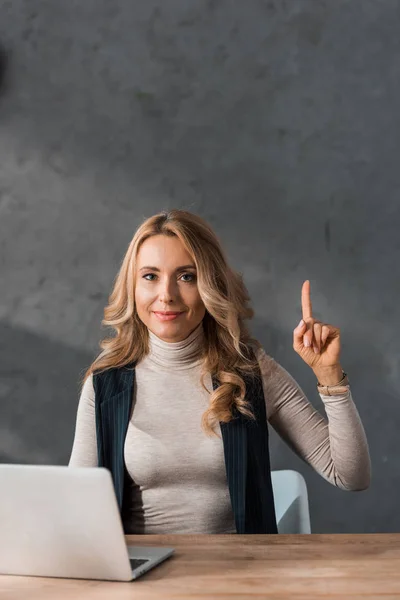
{"points": [[245, 442]]}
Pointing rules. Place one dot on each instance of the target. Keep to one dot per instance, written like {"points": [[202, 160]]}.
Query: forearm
{"points": [[336, 446], [350, 465]]}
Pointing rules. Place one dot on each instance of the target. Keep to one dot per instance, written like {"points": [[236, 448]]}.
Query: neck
{"points": [[177, 355]]}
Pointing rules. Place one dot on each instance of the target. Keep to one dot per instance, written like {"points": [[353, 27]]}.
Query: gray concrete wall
{"points": [[277, 121]]}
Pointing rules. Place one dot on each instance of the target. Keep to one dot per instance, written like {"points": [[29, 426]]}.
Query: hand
{"points": [[317, 343]]}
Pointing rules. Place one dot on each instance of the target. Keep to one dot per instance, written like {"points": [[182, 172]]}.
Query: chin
{"points": [[172, 334], [166, 329]]}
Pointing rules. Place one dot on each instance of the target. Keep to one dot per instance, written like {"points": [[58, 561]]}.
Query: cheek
{"points": [[194, 301], [143, 296]]}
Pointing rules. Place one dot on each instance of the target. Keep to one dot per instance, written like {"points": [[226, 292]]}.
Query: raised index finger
{"points": [[306, 305]]}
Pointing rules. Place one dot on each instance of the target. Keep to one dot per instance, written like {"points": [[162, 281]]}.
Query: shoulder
{"points": [[113, 380], [267, 364], [279, 386], [87, 392], [103, 377], [274, 376], [87, 384]]}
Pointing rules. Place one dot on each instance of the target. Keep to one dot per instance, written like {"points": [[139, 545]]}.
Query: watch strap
{"points": [[335, 390]]}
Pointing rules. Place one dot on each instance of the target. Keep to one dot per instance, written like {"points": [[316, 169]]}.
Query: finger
{"points": [[317, 330], [298, 335], [333, 332], [306, 305], [309, 333], [324, 334]]}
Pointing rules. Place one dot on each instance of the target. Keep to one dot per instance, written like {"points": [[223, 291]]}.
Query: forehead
{"points": [[163, 251]]}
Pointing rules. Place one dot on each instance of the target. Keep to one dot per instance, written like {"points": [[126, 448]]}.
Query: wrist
{"points": [[328, 376]]}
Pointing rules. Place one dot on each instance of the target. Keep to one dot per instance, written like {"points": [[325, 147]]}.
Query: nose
{"points": [[167, 291]]}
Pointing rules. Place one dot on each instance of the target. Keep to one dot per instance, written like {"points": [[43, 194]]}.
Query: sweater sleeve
{"points": [[335, 446], [84, 450]]}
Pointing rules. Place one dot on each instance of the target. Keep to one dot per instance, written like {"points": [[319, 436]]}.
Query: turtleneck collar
{"points": [[177, 355]]}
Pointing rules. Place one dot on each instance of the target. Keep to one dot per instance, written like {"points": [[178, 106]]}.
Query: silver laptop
{"points": [[65, 522]]}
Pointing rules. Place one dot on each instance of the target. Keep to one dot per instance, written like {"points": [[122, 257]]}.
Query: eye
{"points": [[148, 276], [191, 277]]}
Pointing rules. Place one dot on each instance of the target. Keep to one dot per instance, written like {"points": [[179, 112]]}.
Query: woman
{"points": [[177, 403]]}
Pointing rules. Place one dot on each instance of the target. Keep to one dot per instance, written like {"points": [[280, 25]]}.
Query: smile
{"points": [[168, 315]]}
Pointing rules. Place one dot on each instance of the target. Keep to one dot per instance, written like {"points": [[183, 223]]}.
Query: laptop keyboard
{"points": [[137, 562]]}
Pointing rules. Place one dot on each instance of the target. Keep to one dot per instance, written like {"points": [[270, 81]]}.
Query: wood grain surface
{"points": [[241, 567]]}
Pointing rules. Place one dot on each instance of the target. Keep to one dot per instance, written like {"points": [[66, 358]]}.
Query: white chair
{"points": [[291, 502]]}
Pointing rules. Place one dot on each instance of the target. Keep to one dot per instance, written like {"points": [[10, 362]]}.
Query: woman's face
{"points": [[166, 295]]}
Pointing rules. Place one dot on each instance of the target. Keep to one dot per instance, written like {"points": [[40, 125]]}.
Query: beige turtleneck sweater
{"points": [[179, 482]]}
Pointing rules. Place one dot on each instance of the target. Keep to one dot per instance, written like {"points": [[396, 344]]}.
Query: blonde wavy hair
{"points": [[229, 350]]}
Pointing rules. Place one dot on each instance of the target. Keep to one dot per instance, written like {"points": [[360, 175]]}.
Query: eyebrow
{"points": [[177, 270]]}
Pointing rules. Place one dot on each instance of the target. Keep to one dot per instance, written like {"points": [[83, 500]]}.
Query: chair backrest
{"points": [[291, 502]]}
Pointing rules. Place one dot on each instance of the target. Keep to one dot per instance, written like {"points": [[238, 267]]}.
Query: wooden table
{"points": [[242, 567]]}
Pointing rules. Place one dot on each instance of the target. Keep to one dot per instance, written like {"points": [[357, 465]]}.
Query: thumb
{"points": [[298, 335]]}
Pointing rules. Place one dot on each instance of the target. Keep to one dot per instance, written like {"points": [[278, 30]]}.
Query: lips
{"points": [[168, 315]]}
